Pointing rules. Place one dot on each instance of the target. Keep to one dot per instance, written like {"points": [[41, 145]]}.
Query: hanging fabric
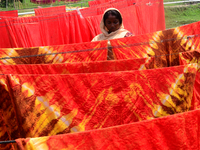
{"points": [[11, 13], [79, 67], [160, 43], [50, 11], [45, 105], [193, 57], [59, 29], [172, 132], [93, 51]]}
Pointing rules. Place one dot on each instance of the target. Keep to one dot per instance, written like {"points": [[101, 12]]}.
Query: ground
{"points": [[181, 14]]}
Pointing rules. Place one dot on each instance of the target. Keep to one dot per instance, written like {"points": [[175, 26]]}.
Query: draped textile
{"points": [[6, 106], [150, 16], [95, 51], [11, 13], [23, 32], [35, 31], [81, 67], [93, 23], [86, 12], [101, 3], [118, 5], [193, 57], [131, 20], [93, 3], [4, 135], [179, 131], [45, 105], [53, 26], [5, 40], [160, 43], [138, 19], [50, 11]]}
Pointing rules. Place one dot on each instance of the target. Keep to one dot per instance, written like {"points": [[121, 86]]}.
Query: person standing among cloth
{"points": [[112, 28]]}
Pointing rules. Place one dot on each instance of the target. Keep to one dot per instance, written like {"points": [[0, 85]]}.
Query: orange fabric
{"points": [[53, 26], [102, 3], [140, 18], [93, 3], [11, 13], [82, 67], [95, 51], [50, 11], [93, 23], [5, 40], [45, 105], [4, 135], [179, 131], [193, 57], [150, 15], [65, 28], [161, 43], [7, 128], [118, 5]]}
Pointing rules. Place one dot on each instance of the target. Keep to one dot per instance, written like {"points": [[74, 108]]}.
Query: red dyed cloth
{"points": [[93, 3], [92, 22], [93, 51], [140, 18], [82, 67], [11, 13], [50, 10], [179, 131], [101, 3], [5, 40], [65, 28], [160, 44], [53, 26], [193, 57], [45, 105]]}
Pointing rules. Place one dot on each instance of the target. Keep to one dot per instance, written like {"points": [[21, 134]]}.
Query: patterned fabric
{"points": [[45, 105], [82, 67], [193, 57], [110, 54], [95, 51], [179, 131], [4, 136], [39, 104], [161, 43], [59, 28]]}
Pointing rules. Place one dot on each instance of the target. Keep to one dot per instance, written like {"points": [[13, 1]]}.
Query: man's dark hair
{"points": [[113, 13]]}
